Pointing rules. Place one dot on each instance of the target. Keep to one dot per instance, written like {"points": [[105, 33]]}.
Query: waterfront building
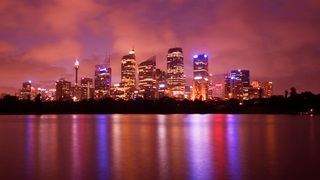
{"points": [[87, 90], [176, 79], [63, 90], [233, 88], [267, 89], [201, 77], [128, 74], [161, 84], [102, 81], [244, 76], [147, 78], [217, 91], [25, 92]]}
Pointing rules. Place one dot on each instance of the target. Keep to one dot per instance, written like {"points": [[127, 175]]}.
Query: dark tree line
{"points": [[293, 104]]}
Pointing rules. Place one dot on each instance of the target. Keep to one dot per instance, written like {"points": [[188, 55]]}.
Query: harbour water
{"points": [[150, 146]]}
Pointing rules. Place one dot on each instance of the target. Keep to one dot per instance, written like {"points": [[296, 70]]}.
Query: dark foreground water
{"points": [[159, 147]]}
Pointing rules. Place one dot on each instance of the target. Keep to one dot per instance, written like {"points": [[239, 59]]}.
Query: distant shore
{"points": [[274, 105]]}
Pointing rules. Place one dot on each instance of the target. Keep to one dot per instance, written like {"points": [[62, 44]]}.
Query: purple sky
{"points": [[277, 41]]}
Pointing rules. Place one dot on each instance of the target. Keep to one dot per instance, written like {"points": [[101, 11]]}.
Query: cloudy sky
{"points": [[277, 40]]}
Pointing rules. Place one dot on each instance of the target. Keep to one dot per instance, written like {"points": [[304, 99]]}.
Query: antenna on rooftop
{"points": [[106, 61]]}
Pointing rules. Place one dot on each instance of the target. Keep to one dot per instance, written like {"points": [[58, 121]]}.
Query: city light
{"points": [[195, 56], [197, 77]]}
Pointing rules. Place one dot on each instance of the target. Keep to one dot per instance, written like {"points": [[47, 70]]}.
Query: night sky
{"points": [[277, 40]]}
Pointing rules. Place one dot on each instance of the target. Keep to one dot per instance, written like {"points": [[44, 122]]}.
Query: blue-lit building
{"points": [[201, 77], [244, 76], [102, 81]]}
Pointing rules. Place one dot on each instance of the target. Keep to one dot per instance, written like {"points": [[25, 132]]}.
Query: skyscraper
{"points": [[267, 89], [128, 71], [63, 89], [161, 83], [102, 79], [244, 76], [176, 79], [25, 92], [233, 88], [201, 77], [147, 78], [86, 88]]}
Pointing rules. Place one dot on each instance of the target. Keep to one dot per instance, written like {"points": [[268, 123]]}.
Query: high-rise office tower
{"points": [[233, 88], [102, 79], [25, 92], [161, 83], [254, 90], [147, 78], [128, 71], [201, 77], [244, 76], [176, 79], [63, 89], [217, 90], [86, 88], [267, 89]]}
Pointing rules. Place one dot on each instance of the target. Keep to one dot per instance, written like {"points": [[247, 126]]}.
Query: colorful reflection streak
{"points": [[102, 143], [151, 146], [199, 147]]}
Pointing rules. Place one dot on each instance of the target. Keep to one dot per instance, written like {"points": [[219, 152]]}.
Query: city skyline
{"points": [[277, 42]]}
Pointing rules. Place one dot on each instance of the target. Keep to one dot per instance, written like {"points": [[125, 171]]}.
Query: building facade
{"points": [[176, 79], [147, 78], [201, 77], [87, 90], [267, 89], [128, 71], [63, 90], [244, 76], [102, 81], [25, 92]]}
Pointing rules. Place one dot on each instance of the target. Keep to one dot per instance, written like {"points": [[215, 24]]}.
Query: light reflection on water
{"points": [[159, 146]]}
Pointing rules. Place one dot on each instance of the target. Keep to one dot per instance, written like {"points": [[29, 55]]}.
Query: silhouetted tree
{"points": [[286, 94], [293, 91]]}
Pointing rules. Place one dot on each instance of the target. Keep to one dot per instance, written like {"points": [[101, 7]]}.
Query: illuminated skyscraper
{"points": [[25, 92], [233, 88], [217, 90], [161, 83], [176, 79], [267, 89], [63, 89], [147, 78], [244, 76], [86, 88], [200, 77], [102, 79], [128, 71]]}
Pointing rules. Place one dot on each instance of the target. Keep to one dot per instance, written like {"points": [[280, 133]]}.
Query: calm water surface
{"points": [[159, 147]]}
